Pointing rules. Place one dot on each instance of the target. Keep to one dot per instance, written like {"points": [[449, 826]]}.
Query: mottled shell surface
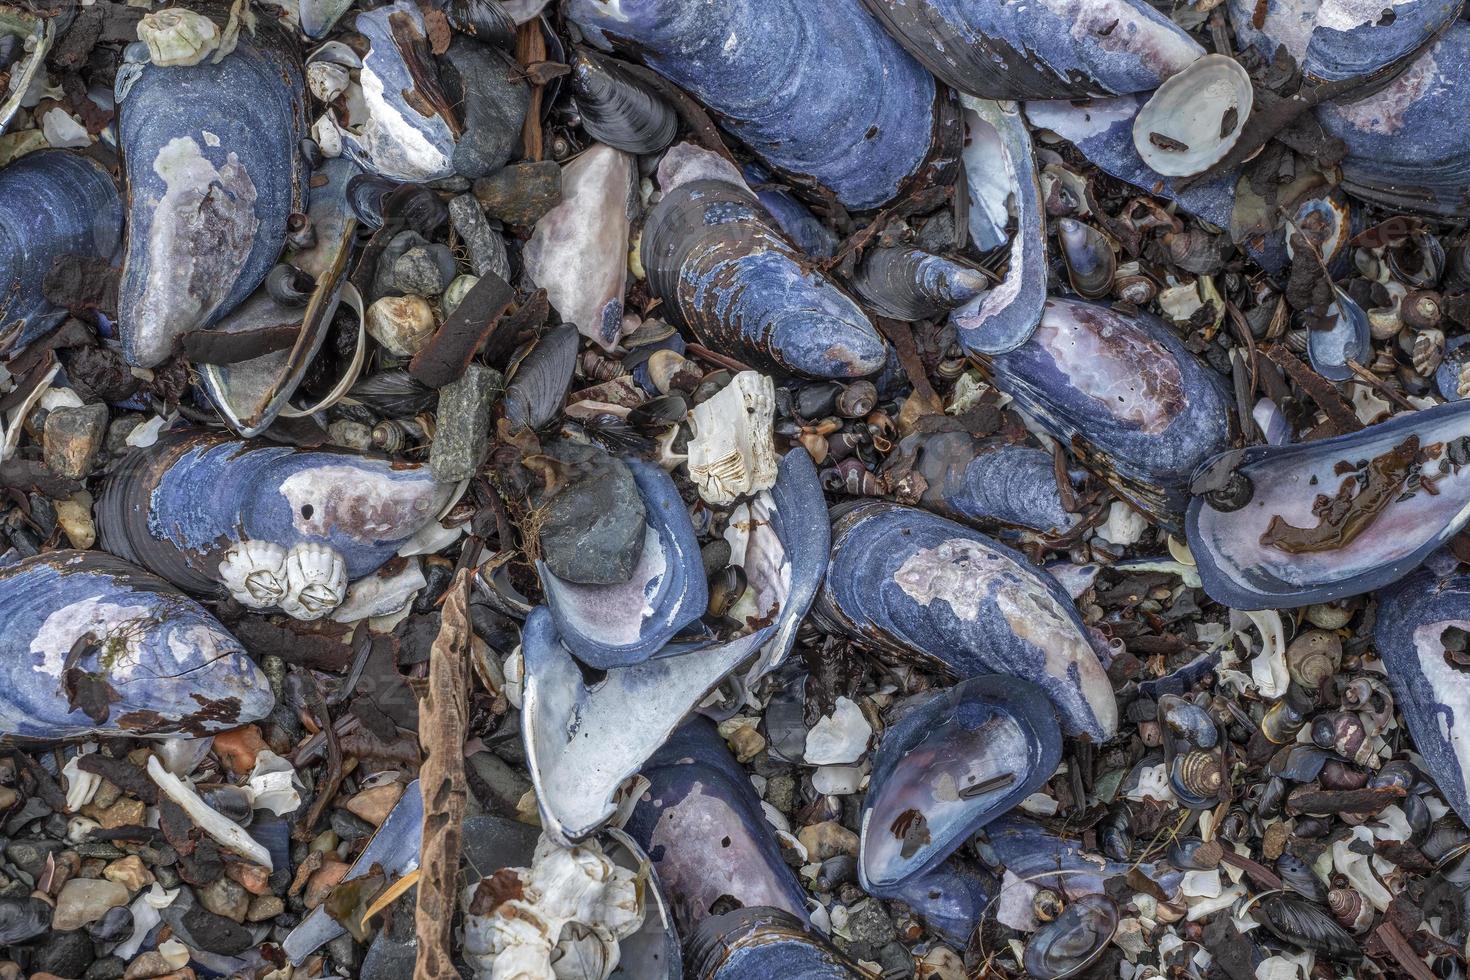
{"points": [[913, 584], [954, 760], [912, 284], [1261, 542], [82, 619], [213, 172], [1040, 49], [754, 943], [1123, 393], [989, 483], [815, 87], [52, 203], [179, 505]]}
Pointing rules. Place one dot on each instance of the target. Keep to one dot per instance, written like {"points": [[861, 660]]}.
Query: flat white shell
{"points": [[1190, 109]]}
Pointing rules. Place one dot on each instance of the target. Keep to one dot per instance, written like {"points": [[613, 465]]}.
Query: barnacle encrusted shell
{"points": [[254, 573], [316, 581], [731, 452], [178, 36]]}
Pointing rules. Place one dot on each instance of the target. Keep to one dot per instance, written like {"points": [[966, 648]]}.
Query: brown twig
{"points": [[1373, 381], [705, 354], [328, 785]]}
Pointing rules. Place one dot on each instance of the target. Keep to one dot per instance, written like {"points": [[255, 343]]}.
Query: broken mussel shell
{"points": [[853, 113], [705, 237], [213, 174], [749, 943], [1417, 617], [915, 585], [620, 108], [1072, 941], [701, 822], [1122, 392], [53, 203], [626, 623], [912, 284], [94, 645], [1191, 122], [1088, 256], [1284, 526], [30, 37], [953, 761], [1064, 50], [270, 525]]}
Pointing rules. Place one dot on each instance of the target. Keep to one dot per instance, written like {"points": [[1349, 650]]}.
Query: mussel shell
{"points": [[843, 106], [1002, 182], [1088, 256], [951, 898], [1073, 941], [701, 822], [1047, 860], [1059, 49], [795, 219], [487, 21], [632, 710], [890, 568], [539, 379], [318, 17], [1124, 395], [250, 394], [213, 173], [618, 108], [394, 394], [1347, 339], [178, 506], [749, 943], [955, 760], [988, 481], [52, 203], [74, 619], [1285, 481], [1305, 924], [714, 257], [912, 284], [36, 33], [1429, 683], [625, 624], [1195, 117]]}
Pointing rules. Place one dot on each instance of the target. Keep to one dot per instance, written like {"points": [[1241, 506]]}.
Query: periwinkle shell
{"points": [[752, 943], [715, 258], [1040, 49], [178, 506], [624, 624], [213, 172], [842, 105], [52, 203], [75, 619], [913, 584], [700, 821], [953, 761], [1124, 395], [1266, 547]]}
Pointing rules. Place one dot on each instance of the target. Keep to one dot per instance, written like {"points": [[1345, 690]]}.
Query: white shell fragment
{"points": [[1194, 118], [273, 784], [732, 452], [254, 572], [178, 36], [576, 904], [316, 581], [840, 737], [211, 821]]}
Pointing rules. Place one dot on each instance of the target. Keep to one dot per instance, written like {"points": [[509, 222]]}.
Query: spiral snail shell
{"points": [[1313, 657]]}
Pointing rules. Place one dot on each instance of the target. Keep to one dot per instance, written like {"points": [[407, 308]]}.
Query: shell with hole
{"points": [[1191, 122]]}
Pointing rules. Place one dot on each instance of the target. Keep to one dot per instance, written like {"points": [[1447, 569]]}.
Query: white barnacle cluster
{"points": [[178, 36], [732, 452], [573, 907], [307, 582]]}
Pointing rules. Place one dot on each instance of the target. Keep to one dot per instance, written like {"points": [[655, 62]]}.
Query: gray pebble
{"points": [[462, 440], [484, 244], [593, 525]]}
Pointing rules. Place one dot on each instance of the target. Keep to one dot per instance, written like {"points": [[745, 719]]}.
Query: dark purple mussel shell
{"points": [[213, 174], [53, 203], [1275, 527], [538, 379], [700, 820], [1043, 859], [761, 944], [1124, 395], [795, 218], [1073, 941], [950, 898], [94, 645], [716, 259], [271, 525], [619, 108], [953, 761], [1058, 49], [1428, 679], [907, 283], [842, 106], [626, 623], [915, 585]]}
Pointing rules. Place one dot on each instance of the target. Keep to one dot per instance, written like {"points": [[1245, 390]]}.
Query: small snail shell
{"points": [[1349, 909], [402, 324], [1314, 657], [1281, 722], [1198, 774], [1046, 905]]}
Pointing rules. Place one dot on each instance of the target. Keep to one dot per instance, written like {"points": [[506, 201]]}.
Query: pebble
{"points": [[837, 780], [781, 792], [373, 805], [349, 827], [264, 907], [126, 812], [149, 964], [216, 933], [71, 439], [520, 193], [238, 747], [321, 883], [462, 440], [827, 839], [8, 797], [840, 737], [225, 897], [117, 923], [85, 900], [423, 270], [484, 244], [108, 968], [252, 877], [402, 324], [30, 855], [22, 919], [129, 872], [592, 527], [66, 954], [74, 514], [868, 922]]}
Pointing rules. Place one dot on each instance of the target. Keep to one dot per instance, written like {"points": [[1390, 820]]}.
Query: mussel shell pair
{"points": [[754, 943], [53, 203], [952, 762], [618, 108], [715, 258], [84, 624], [1124, 395], [177, 507], [1260, 545], [1048, 49], [915, 585], [213, 174], [842, 106]]}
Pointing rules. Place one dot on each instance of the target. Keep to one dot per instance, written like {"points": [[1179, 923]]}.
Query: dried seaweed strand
{"points": [[1317, 388]]}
